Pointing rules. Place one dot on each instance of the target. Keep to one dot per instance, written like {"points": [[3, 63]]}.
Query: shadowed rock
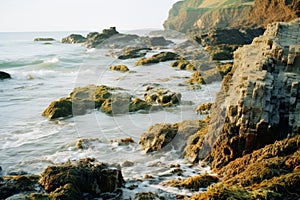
{"points": [[4, 75]]}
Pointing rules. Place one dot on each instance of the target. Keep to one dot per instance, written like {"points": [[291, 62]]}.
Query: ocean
{"points": [[43, 72]]}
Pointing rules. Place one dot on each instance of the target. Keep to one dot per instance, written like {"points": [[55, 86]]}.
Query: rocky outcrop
{"points": [[259, 101], [160, 57], [133, 52], [4, 75], [73, 39], [206, 14], [183, 65], [86, 176], [94, 39], [161, 96]]}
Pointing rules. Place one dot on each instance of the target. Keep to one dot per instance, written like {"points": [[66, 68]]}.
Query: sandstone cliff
{"points": [[206, 14], [259, 102]]}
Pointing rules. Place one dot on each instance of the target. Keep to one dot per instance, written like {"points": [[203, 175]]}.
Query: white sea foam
{"points": [[52, 61]]}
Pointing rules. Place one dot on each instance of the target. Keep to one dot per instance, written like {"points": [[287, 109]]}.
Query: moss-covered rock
{"points": [[72, 180], [121, 68], [196, 79], [203, 109], [73, 39], [4, 75], [160, 57], [59, 108], [183, 65], [161, 96], [43, 39], [193, 183]]}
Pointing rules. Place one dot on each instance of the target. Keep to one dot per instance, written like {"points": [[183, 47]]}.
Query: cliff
{"points": [[206, 14], [219, 14], [259, 101]]}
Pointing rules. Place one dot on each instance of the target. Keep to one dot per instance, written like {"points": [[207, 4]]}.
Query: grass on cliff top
{"points": [[218, 3]]}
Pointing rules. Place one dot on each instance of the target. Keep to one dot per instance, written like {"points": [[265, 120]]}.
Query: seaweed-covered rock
{"points": [[183, 65], [196, 79], [133, 52], [59, 108], [146, 196], [121, 68], [73, 39], [160, 57], [194, 182], [43, 39], [73, 180], [11, 185], [162, 96], [4, 75]]}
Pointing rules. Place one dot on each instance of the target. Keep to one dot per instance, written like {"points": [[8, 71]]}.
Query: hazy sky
{"points": [[46, 15]]}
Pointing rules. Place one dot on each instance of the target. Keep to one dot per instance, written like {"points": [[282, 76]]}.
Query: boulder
{"points": [[74, 180], [133, 52], [196, 79], [160, 57], [259, 101], [43, 39], [183, 65], [121, 68], [4, 75], [161, 96], [73, 39], [168, 136], [94, 39], [159, 41]]}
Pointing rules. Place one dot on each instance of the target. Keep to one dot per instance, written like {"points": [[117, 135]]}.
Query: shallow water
{"points": [[42, 73]]}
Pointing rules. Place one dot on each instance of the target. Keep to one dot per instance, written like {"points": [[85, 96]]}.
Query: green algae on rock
{"points": [[160, 57], [183, 65], [121, 68], [73, 39]]}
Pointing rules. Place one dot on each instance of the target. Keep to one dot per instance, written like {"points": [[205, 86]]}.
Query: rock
{"points": [[127, 163], [147, 196], [160, 57], [133, 52], [123, 141], [159, 41], [121, 68], [193, 183], [43, 39], [4, 75], [203, 109], [79, 102], [161, 96], [87, 143], [167, 136], [183, 65], [259, 101], [74, 180], [73, 39], [94, 39], [267, 173], [196, 79], [12, 185]]}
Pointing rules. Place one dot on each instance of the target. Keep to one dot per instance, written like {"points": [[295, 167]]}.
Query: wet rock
{"points": [[4, 75], [162, 96], [167, 136], [73, 39], [196, 79], [159, 41], [147, 196], [259, 101], [121, 68], [87, 143], [127, 163], [12, 185], [81, 100], [160, 57], [43, 39], [183, 65], [123, 141], [73, 180], [194, 182], [203, 109], [133, 52]]}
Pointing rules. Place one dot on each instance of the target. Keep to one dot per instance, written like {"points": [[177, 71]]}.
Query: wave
{"points": [[51, 61], [19, 63]]}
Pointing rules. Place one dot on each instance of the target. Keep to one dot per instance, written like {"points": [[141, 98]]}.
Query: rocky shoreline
{"points": [[250, 137]]}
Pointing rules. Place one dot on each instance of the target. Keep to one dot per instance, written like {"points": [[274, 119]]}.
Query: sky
{"points": [[87, 15]]}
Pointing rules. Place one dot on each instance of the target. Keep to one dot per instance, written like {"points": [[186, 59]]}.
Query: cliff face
{"points": [[259, 102], [206, 14], [266, 11]]}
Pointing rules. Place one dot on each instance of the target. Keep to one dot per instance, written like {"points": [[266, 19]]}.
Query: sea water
{"points": [[46, 71]]}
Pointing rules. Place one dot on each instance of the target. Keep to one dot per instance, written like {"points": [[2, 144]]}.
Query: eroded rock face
{"points": [[72, 180], [260, 99], [73, 39]]}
